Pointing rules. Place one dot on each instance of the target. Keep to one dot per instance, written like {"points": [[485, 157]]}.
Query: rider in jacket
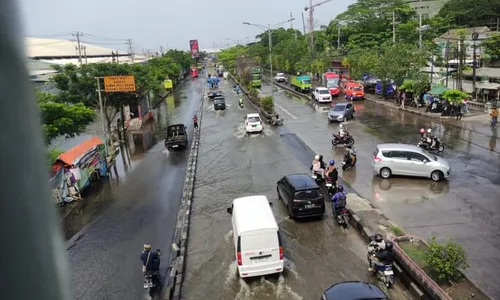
{"points": [[342, 132], [150, 261], [332, 172], [377, 245], [339, 201], [384, 257]]}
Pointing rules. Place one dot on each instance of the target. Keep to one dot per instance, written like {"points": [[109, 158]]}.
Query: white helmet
{"points": [[429, 130], [316, 157]]}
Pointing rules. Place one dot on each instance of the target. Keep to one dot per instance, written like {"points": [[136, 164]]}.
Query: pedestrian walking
{"points": [[494, 116], [195, 122]]}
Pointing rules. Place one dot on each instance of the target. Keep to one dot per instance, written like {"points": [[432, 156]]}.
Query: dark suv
{"points": [[301, 195]]}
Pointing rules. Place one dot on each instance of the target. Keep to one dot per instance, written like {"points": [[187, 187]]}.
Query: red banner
{"points": [[194, 48]]}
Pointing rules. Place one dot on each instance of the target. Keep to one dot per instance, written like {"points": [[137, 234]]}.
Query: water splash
{"points": [[228, 236]]}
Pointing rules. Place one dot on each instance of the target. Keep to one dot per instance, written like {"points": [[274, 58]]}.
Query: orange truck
{"points": [[353, 91]]}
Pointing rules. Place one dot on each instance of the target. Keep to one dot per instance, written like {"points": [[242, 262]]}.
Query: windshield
{"points": [[307, 195], [432, 156], [332, 83], [324, 92], [218, 101], [253, 119], [306, 81], [280, 75], [358, 89], [338, 108]]}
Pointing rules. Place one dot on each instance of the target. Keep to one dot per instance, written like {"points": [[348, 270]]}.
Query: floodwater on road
{"points": [[104, 256], [465, 207], [232, 164]]}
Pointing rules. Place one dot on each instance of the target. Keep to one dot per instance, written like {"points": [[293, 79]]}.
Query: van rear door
{"points": [[259, 247], [308, 199]]}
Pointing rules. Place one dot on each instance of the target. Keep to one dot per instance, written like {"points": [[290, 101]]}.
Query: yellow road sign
{"points": [[119, 83]]}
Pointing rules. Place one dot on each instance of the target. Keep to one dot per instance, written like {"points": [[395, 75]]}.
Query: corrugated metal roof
{"points": [[44, 47]]}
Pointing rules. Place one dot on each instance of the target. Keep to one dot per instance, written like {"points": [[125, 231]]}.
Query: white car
{"points": [[253, 123], [280, 77], [322, 95]]}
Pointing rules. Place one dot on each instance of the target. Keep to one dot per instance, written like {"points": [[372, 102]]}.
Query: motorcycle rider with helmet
{"points": [[377, 245], [151, 262], [384, 257], [240, 102], [431, 139], [349, 157], [339, 201], [317, 166], [332, 172], [342, 132]]}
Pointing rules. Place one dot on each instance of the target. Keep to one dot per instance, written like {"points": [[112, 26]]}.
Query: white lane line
{"points": [[287, 112]]}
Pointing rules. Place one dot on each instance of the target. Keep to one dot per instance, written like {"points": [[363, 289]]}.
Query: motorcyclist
{"points": [[240, 102], [323, 165], [332, 172], [339, 201], [422, 134], [431, 139], [350, 156], [342, 132], [150, 261], [384, 257], [316, 165], [238, 88], [377, 245], [275, 119]]}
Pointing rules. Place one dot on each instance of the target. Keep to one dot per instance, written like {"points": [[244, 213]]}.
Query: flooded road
{"points": [[231, 164], [466, 207], [104, 257]]}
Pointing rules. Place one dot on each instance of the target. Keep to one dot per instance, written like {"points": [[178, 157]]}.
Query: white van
{"points": [[257, 241]]}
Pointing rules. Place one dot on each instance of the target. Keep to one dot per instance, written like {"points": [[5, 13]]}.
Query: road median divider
{"points": [[175, 274], [368, 221]]}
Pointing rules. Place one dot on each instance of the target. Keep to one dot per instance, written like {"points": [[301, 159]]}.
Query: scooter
{"points": [[151, 280], [346, 164], [343, 217], [426, 146], [384, 273], [318, 177], [348, 140], [330, 186]]}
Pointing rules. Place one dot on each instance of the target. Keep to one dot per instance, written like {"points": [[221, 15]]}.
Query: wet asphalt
{"points": [[466, 207], [233, 164], [104, 257]]}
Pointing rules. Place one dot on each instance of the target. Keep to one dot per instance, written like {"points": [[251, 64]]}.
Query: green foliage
{"points": [[492, 47], [65, 119], [267, 104], [397, 231], [470, 13], [447, 261], [52, 155], [454, 96], [253, 93]]}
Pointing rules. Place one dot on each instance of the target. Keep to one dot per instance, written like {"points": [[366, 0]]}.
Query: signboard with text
{"points": [[168, 84], [193, 45], [119, 83]]}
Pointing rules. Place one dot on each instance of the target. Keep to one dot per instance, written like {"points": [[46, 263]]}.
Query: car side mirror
{"points": [[229, 210], [271, 204]]}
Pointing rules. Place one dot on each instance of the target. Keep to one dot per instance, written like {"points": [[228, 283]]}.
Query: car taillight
{"points": [[260, 122], [376, 158], [246, 123], [281, 253], [239, 259]]}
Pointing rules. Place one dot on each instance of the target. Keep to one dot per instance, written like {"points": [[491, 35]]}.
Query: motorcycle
{"points": [[439, 147], [151, 280], [330, 186], [347, 141], [276, 122], [384, 273], [349, 165], [343, 217], [318, 177], [241, 105]]}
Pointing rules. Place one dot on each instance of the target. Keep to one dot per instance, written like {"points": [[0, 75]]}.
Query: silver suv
{"points": [[408, 160]]}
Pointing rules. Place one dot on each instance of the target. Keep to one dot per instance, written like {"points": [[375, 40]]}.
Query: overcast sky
{"points": [[169, 23]]}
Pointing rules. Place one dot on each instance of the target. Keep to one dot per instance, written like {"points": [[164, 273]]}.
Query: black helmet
{"points": [[378, 238], [389, 245], [340, 189]]}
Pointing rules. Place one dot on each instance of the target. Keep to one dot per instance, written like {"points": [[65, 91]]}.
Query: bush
{"points": [[253, 93], [447, 261], [267, 104], [397, 231]]}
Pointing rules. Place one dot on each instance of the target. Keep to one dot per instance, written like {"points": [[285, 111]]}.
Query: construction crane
{"points": [[311, 17]]}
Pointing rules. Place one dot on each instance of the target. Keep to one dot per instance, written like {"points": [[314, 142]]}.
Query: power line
{"points": [[100, 43], [101, 37]]}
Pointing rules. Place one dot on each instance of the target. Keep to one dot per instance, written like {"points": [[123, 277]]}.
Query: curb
{"points": [[173, 283], [415, 280], [259, 109]]}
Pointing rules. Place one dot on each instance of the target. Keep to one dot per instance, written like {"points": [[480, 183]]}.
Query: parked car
{"points": [[253, 123], [341, 112], [354, 290], [280, 77], [219, 103], [176, 137], [322, 95], [258, 245], [409, 160], [301, 195]]}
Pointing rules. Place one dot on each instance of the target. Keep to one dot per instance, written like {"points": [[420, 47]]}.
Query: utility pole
{"points": [[394, 27], [78, 35], [303, 24], [338, 36], [311, 18], [291, 26], [85, 53], [161, 49], [447, 55], [102, 113], [475, 37], [420, 23], [131, 53]]}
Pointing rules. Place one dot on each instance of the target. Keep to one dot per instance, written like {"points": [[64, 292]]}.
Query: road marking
{"points": [[287, 112]]}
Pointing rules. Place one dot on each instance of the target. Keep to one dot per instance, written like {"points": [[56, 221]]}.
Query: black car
{"points": [[176, 138], [219, 103], [302, 196], [354, 290]]}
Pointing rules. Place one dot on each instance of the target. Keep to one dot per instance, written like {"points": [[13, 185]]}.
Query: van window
{"points": [[399, 154], [261, 240], [307, 195], [386, 153], [376, 152], [417, 157]]}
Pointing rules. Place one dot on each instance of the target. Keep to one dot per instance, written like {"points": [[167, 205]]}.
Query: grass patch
{"points": [[415, 251], [397, 231]]}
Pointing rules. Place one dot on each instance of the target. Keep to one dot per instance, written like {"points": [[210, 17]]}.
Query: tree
{"points": [[454, 96], [492, 47], [446, 261], [471, 13], [65, 119]]}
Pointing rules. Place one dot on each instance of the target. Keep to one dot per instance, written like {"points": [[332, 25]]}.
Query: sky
{"points": [[167, 23]]}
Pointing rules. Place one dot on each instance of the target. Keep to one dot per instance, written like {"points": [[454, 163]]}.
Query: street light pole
{"points": [[268, 28]]}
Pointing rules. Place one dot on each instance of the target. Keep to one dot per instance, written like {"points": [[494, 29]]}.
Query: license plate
{"points": [[309, 206], [388, 273], [175, 146], [329, 185], [254, 125]]}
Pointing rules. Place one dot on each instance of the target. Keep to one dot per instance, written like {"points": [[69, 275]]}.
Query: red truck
{"points": [[331, 81]]}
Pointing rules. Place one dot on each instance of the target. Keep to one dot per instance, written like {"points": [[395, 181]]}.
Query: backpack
{"points": [[342, 201]]}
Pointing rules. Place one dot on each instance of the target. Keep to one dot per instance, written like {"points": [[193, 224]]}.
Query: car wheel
{"points": [[437, 176], [385, 173]]}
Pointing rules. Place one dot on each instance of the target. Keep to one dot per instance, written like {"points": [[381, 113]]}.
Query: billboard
{"points": [[119, 83], [194, 48]]}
